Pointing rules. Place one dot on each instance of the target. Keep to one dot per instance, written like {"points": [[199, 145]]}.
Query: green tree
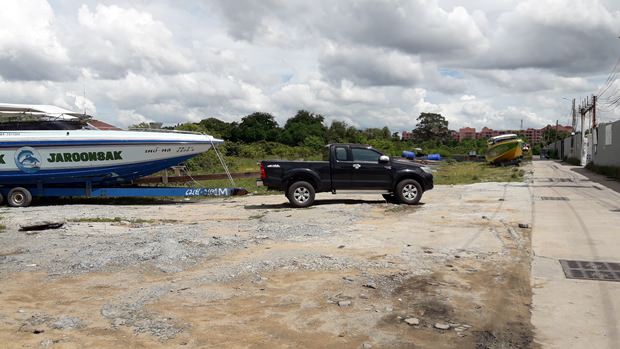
{"points": [[337, 132], [218, 128], [144, 125], [314, 142], [354, 135], [189, 126], [431, 126], [256, 127], [302, 125], [377, 133], [551, 134]]}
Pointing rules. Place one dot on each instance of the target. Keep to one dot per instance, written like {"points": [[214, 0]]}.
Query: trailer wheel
{"points": [[409, 191], [301, 194], [19, 197]]}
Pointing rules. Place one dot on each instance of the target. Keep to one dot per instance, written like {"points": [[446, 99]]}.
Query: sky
{"points": [[479, 63]]}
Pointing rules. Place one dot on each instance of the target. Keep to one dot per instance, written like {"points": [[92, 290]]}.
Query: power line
{"points": [[611, 79]]}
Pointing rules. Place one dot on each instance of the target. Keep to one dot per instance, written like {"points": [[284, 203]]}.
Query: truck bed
{"points": [[278, 169]]}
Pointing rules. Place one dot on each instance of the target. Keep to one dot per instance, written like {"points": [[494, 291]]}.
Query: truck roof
{"points": [[351, 144]]}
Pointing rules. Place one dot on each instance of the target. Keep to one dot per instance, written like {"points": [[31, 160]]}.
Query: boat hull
{"points": [[100, 160], [504, 152]]}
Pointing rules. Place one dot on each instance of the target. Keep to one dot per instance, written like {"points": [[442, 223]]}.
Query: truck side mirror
{"points": [[384, 159]]}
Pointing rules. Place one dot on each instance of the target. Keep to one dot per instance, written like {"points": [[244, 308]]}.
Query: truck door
{"points": [[368, 173], [341, 167]]}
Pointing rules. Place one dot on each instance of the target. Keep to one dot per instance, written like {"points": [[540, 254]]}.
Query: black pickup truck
{"points": [[347, 167]]}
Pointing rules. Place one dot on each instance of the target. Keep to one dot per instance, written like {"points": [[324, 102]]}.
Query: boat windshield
{"points": [[502, 139], [32, 125]]}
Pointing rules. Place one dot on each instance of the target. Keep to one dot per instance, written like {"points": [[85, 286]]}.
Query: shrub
{"points": [[609, 171]]}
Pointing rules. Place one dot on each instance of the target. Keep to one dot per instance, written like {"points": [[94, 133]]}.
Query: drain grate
{"points": [[561, 179], [615, 210], [555, 198], [584, 270]]}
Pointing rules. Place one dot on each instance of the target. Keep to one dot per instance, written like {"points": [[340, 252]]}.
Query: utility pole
{"points": [[593, 111], [584, 109], [574, 117], [521, 124], [587, 107]]}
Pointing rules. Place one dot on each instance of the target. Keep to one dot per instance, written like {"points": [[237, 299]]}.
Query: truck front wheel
{"points": [[409, 191], [301, 194]]}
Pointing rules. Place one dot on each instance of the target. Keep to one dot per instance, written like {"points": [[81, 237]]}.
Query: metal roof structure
{"points": [[39, 110]]}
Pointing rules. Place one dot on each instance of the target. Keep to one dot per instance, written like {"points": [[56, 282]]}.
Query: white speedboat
{"points": [[47, 145]]}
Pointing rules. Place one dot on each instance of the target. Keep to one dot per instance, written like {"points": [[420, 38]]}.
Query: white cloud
{"points": [[370, 63], [550, 34], [128, 118], [115, 40], [370, 66], [419, 27], [29, 46], [82, 103], [531, 80]]}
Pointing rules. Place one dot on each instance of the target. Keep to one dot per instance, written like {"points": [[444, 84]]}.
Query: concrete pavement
{"points": [[569, 313]]}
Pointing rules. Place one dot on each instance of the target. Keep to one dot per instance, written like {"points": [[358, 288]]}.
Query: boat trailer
{"points": [[21, 196]]}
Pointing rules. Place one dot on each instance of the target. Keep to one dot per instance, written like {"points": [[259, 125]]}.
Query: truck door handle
{"points": [[357, 166]]}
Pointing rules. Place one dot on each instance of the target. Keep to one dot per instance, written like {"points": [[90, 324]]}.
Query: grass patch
{"points": [[119, 220], [447, 173], [2, 228], [573, 161], [401, 208], [476, 172], [609, 171]]}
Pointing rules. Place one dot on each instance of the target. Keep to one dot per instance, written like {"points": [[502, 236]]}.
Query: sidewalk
{"points": [[570, 313]]}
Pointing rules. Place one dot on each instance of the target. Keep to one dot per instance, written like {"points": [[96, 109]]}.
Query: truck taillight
{"points": [[263, 174]]}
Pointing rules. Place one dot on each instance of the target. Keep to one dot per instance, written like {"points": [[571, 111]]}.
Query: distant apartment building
{"points": [[405, 135], [454, 135], [486, 133], [467, 133], [532, 134]]}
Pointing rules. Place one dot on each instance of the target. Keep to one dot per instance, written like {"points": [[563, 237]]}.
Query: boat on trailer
{"points": [[46, 147], [504, 149]]}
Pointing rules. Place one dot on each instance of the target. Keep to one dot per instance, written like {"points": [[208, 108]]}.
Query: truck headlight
{"points": [[426, 169]]}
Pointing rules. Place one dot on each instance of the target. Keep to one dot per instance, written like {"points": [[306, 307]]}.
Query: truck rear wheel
{"points": [[409, 191], [1, 198], [19, 197], [301, 194]]}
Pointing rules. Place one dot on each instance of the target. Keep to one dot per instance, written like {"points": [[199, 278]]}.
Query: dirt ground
{"points": [[252, 272]]}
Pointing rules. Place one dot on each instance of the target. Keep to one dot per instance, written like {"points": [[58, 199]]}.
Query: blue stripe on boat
{"points": [[97, 142]]}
